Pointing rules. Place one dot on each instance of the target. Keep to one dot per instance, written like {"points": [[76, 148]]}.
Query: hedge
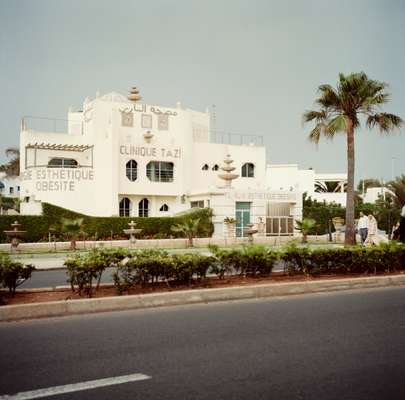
{"points": [[101, 228], [147, 267]]}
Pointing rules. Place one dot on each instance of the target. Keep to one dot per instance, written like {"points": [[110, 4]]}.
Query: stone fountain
{"points": [[228, 176], [15, 234], [132, 232], [250, 231]]}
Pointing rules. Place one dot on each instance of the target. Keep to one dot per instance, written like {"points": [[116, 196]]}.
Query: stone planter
{"points": [[230, 230]]}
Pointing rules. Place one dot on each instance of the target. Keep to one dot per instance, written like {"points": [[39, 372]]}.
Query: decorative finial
{"points": [[134, 95]]}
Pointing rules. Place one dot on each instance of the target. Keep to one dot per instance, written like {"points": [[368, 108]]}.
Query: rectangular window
{"points": [[146, 121], [160, 171], [197, 204], [127, 119], [163, 122], [11, 190]]}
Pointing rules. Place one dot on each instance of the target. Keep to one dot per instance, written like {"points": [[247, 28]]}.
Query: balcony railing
{"points": [[223, 137], [54, 125]]}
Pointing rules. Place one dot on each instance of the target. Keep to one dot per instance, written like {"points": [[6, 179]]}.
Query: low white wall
{"points": [[159, 243]]}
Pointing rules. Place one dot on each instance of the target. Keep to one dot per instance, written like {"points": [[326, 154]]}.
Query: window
{"points": [[143, 208], [215, 167], [62, 163], [131, 170], [127, 119], [11, 190], [146, 121], [248, 170], [18, 188], [163, 122], [125, 205], [164, 207], [160, 171], [205, 167], [197, 204]]}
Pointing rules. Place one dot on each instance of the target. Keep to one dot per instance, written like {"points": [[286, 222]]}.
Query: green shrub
{"points": [[142, 267], [149, 266], [296, 259], [103, 228], [13, 274], [250, 260], [83, 270]]}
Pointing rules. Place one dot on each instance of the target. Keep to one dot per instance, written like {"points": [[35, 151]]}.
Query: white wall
{"points": [[12, 185]]}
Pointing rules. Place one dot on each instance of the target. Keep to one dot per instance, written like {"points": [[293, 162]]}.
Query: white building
{"points": [[9, 185], [330, 188], [119, 157]]}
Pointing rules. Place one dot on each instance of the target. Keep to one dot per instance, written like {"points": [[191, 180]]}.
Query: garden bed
{"points": [[27, 296]]}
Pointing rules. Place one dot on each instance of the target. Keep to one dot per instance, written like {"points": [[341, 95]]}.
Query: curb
{"points": [[136, 302]]}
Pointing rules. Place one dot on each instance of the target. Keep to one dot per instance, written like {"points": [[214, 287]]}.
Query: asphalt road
{"points": [[345, 345], [57, 277]]}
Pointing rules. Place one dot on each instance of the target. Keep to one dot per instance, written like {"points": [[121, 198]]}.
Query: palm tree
{"points": [[339, 111], [397, 187], [72, 228], [12, 167], [189, 228], [305, 227]]}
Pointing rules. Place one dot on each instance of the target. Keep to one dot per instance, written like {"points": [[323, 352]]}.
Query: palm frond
{"points": [[315, 134], [385, 122], [336, 125], [329, 98]]}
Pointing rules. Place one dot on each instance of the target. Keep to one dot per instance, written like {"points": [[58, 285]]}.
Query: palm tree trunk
{"points": [[350, 237]]}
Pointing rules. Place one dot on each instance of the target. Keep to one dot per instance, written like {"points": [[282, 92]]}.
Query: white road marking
{"points": [[75, 387]]}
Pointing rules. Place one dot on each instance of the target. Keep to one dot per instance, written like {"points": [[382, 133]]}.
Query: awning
{"points": [[2, 185], [64, 147]]}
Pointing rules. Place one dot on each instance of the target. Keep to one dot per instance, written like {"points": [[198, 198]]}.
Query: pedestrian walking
{"points": [[362, 227], [372, 231], [402, 225]]}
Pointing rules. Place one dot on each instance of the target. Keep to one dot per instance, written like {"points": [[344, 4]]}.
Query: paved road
{"points": [[346, 345], [53, 278], [42, 279]]}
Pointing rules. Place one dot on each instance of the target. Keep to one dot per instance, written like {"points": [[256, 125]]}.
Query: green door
{"points": [[242, 217]]}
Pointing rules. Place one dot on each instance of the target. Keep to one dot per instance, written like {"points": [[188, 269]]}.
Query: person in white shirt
{"points": [[362, 226], [402, 225]]}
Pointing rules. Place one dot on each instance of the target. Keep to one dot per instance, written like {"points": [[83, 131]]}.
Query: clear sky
{"points": [[259, 62]]}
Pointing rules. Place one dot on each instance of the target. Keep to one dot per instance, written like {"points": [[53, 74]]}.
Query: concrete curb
{"points": [[133, 302]]}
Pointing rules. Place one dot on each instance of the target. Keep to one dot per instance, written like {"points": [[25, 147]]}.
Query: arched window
{"points": [[131, 170], [143, 208], [205, 167], [248, 170], [62, 163], [215, 167], [164, 207], [160, 171], [125, 206]]}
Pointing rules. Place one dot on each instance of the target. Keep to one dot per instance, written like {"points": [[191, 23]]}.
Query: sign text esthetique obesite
{"points": [[57, 179]]}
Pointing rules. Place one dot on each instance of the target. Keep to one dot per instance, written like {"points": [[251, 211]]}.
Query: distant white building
{"points": [[9, 185], [330, 188], [372, 194]]}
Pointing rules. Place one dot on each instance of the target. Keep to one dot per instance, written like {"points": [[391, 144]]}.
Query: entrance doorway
{"points": [[242, 217]]}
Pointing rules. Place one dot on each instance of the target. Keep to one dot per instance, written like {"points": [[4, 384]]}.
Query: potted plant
{"points": [[230, 224]]}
